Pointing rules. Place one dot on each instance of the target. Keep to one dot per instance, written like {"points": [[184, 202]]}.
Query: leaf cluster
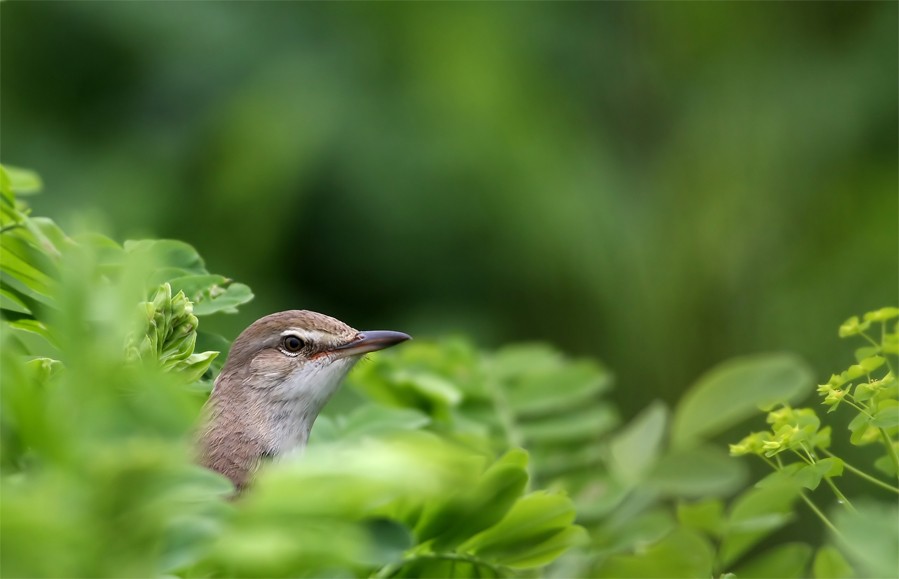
{"points": [[169, 335], [653, 494], [797, 447], [99, 391], [439, 460]]}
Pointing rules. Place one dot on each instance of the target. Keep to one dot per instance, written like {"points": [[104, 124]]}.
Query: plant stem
{"points": [[841, 498], [801, 457], [811, 456], [821, 516], [851, 402], [862, 474], [779, 465], [891, 450], [870, 339]]}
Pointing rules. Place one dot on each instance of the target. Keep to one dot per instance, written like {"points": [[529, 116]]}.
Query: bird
{"points": [[279, 374]]}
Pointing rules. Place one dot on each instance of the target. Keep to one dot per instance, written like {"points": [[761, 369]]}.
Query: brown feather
{"points": [[240, 415]]}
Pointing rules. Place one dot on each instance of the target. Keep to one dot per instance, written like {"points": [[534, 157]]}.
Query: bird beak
{"points": [[370, 341]]}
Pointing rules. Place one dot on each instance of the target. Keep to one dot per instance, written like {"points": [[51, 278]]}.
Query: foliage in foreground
{"points": [[101, 389], [419, 468]]}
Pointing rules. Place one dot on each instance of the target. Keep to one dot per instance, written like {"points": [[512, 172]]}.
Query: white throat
{"points": [[298, 400]]}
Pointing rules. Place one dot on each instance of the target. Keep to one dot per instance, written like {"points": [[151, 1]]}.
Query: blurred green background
{"points": [[660, 186]]}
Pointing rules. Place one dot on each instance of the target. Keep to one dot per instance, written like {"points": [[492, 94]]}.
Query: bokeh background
{"points": [[657, 185]]}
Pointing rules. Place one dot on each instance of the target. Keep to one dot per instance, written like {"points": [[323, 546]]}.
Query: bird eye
{"points": [[293, 344]]}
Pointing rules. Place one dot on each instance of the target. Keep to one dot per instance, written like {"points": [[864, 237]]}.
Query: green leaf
{"points": [[324, 431], [567, 428], [34, 336], [187, 541], [869, 535], [387, 542], [852, 327], [852, 373], [10, 218], [198, 287], [810, 475], [866, 352], [705, 515], [574, 383], [169, 254], [235, 294], [701, 471], [886, 465], [872, 363], [12, 302], [43, 369], [635, 449], [51, 235], [375, 420], [17, 271], [427, 388], [527, 395], [882, 315], [6, 188], [683, 553], [472, 511], [446, 567], [531, 519], [862, 392], [364, 478], [858, 426], [31, 246], [758, 512], [734, 391], [546, 551], [213, 342], [193, 368], [625, 534], [887, 415], [783, 561], [21, 181], [830, 564]]}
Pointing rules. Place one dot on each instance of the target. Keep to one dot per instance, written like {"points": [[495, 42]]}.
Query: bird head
{"points": [[279, 374], [299, 355]]}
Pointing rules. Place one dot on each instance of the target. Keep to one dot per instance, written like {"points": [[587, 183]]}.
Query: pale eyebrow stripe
{"points": [[307, 335]]}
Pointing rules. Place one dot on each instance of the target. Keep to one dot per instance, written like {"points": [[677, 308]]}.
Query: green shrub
{"points": [[101, 392], [437, 460]]}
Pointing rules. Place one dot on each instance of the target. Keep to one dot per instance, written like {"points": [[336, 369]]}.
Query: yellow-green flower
{"points": [[852, 326], [772, 447], [780, 417], [882, 315]]}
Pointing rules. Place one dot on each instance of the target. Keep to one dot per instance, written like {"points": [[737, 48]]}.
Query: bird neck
{"points": [[244, 424]]}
